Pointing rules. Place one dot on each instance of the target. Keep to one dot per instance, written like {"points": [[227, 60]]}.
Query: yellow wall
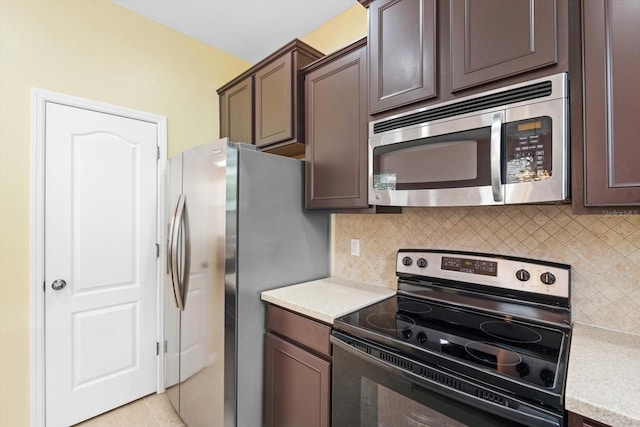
{"points": [[100, 51], [345, 28], [96, 50]]}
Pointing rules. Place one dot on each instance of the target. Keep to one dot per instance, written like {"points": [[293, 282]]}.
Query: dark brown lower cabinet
{"points": [[297, 371], [576, 420]]}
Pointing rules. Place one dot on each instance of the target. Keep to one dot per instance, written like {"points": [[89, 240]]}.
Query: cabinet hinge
{"points": [[44, 286], [157, 152], [157, 348], [157, 250], [165, 346]]}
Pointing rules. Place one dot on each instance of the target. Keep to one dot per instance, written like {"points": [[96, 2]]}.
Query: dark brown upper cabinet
{"points": [[606, 150], [494, 39], [336, 129], [274, 106], [402, 52], [236, 111], [423, 52], [274, 121]]}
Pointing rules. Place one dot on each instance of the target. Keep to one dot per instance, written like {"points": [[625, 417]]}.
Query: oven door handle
{"points": [[496, 157], [529, 418]]}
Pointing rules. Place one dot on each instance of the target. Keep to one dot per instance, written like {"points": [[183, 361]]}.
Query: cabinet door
{"points": [[576, 420], [236, 112], [493, 39], [274, 102], [611, 65], [402, 52], [297, 389], [336, 133]]}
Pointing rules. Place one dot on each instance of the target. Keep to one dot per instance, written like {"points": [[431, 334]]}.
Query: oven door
{"points": [[454, 162], [375, 387]]}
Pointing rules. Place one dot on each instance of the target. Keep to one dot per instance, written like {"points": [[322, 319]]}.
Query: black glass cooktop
{"points": [[497, 344]]}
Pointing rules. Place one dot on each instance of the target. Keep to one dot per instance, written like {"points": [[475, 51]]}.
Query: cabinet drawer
{"points": [[306, 332]]}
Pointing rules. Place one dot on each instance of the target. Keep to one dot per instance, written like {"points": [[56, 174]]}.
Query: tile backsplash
{"points": [[603, 251]]}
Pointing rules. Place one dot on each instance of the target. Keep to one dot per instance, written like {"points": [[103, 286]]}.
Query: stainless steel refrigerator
{"points": [[236, 227]]}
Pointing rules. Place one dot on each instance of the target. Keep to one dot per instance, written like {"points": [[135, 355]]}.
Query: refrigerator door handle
{"points": [[172, 253], [180, 224], [186, 268]]}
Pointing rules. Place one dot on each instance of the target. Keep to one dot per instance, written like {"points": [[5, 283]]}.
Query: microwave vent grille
{"points": [[506, 97]]}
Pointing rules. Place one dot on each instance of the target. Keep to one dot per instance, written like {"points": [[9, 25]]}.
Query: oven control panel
{"points": [[521, 274], [469, 265]]}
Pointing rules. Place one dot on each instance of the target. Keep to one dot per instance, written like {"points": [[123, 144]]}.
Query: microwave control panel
{"points": [[528, 150]]}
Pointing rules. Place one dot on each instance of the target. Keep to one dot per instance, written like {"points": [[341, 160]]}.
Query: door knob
{"points": [[58, 284]]}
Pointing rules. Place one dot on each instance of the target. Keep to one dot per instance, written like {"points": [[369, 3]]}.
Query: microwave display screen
{"points": [[528, 150], [529, 125]]}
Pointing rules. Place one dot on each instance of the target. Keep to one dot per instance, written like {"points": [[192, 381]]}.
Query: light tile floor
{"points": [[150, 411]]}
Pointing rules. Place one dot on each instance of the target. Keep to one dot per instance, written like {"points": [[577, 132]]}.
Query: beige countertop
{"points": [[327, 299], [603, 380]]}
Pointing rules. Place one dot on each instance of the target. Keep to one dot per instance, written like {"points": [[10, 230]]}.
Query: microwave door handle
{"points": [[496, 156]]}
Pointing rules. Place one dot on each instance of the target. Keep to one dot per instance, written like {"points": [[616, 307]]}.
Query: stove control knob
{"points": [[422, 263], [421, 337], [523, 369], [406, 333], [548, 278], [407, 261], [548, 377], [523, 275]]}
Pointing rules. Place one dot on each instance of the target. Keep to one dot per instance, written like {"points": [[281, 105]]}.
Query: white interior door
{"points": [[100, 254]]}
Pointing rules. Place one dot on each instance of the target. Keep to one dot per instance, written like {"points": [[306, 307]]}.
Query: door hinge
{"points": [[157, 152], [157, 348], [157, 250]]}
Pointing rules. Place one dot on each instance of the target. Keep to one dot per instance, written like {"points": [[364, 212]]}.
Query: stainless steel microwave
{"points": [[505, 146]]}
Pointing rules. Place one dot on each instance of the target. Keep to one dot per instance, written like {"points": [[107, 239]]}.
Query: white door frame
{"points": [[39, 98]]}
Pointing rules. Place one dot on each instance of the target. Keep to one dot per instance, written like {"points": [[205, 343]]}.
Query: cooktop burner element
{"points": [[414, 307], [511, 332], [386, 322], [492, 354], [507, 329]]}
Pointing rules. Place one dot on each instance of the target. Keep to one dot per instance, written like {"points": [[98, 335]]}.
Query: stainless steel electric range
{"points": [[469, 339]]}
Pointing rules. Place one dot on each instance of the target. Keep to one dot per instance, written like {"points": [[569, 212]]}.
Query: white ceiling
{"points": [[247, 29]]}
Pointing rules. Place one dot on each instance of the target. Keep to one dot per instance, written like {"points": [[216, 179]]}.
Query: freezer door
{"points": [[201, 324]]}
